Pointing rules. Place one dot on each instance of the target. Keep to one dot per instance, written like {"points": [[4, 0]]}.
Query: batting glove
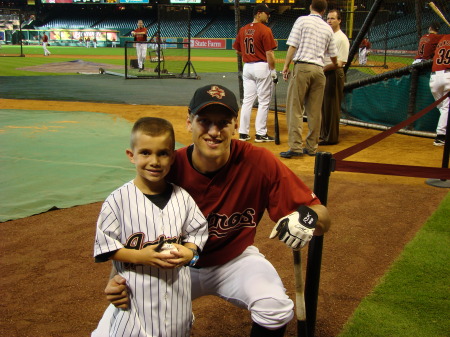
{"points": [[273, 74], [297, 228]]}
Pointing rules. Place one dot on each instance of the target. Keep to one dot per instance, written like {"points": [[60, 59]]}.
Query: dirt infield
{"points": [[52, 287]]}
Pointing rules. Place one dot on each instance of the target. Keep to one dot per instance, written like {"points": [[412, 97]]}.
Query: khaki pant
{"points": [[305, 93]]}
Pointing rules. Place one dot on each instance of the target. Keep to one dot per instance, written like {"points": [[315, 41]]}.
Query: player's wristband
{"points": [[194, 258]]}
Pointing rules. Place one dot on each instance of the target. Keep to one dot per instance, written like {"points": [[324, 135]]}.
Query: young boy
{"points": [[135, 221]]}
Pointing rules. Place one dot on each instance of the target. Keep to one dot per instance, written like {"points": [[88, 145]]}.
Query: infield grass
{"points": [[413, 298]]}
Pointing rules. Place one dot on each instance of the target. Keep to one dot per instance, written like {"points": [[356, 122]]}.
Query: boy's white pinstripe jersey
{"points": [[128, 219]]}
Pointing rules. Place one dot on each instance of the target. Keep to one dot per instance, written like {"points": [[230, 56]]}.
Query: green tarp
{"points": [[60, 159]]}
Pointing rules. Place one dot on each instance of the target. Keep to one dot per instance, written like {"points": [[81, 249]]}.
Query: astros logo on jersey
{"points": [[220, 225], [216, 92]]}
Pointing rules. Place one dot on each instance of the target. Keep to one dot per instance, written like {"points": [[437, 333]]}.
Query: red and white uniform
{"points": [[45, 44], [252, 41], [160, 299], [233, 201], [427, 45], [364, 47], [440, 80], [141, 48]]}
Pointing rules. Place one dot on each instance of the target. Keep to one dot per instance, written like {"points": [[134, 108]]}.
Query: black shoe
{"points": [[289, 154], [265, 138], [244, 137], [439, 140], [309, 153], [323, 142]]}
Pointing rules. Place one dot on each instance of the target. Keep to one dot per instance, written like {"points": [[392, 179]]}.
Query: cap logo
{"points": [[216, 92]]}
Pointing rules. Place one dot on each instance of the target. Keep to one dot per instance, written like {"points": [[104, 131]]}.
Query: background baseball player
{"points": [[427, 44], [440, 85], [364, 48], [255, 43], [133, 219], [140, 35], [45, 44], [214, 170]]}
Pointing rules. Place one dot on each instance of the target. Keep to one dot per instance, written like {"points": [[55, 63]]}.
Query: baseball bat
{"points": [[277, 128], [438, 12], [300, 311]]}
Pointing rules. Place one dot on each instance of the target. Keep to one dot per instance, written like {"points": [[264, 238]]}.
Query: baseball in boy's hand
{"points": [[167, 248]]}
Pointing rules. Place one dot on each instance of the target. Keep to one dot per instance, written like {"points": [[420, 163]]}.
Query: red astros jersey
{"points": [[441, 59], [160, 299], [253, 40], [234, 200], [427, 45], [365, 44], [140, 37], [45, 38]]}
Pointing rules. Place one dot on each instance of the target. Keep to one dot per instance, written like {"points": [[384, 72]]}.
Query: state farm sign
{"points": [[207, 43]]}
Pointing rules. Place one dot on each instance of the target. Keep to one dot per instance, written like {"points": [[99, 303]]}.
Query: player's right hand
{"points": [[117, 292], [285, 73], [273, 74]]}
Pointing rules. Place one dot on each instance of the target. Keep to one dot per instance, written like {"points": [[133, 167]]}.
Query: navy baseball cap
{"points": [[213, 94], [262, 8]]}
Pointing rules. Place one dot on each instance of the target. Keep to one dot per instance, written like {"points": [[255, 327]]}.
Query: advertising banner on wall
{"points": [[207, 43]]}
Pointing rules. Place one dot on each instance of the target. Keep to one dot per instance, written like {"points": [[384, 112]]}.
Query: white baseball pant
{"points": [[362, 56], [250, 282], [44, 45], [141, 51], [257, 83], [440, 86]]}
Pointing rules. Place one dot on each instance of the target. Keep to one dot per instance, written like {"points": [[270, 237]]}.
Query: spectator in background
{"points": [[334, 86], [255, 43], [140, 35], [364, 50], [45, 44], [428, 43], [440, 85], [309, 40]]}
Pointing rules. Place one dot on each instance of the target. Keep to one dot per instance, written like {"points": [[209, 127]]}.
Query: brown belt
{"points": [[297, 62]]}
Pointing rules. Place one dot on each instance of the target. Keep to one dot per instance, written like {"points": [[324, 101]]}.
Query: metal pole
{"points": [[323, 167], [126, 58], [237, 20]]}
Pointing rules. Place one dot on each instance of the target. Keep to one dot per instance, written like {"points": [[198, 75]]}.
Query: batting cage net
{"points": [[167, 51], [11, 31]]}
